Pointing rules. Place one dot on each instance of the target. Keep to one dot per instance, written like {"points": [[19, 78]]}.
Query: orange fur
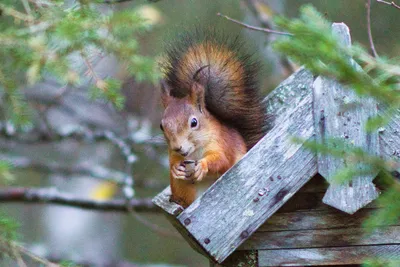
{"points": [[213, 84], [221, 147]]}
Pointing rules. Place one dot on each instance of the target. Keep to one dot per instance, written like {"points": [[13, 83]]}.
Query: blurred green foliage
{"points": [[40, 42], [42, 39], [314, 46]]}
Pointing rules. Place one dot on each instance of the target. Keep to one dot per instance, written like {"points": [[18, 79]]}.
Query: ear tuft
{"points": [[198, 96], [165, 93]]}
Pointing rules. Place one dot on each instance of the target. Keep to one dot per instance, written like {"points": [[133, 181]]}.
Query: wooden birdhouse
{"points": [[276, 206]]}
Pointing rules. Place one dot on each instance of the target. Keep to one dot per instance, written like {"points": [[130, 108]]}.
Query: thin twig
{"points": [[91, 71], [254, 27], [389, 3], [18, 257], [16, 14], [265, 22], [53, 196], [26, 7], [35, 257], [371, 41]]}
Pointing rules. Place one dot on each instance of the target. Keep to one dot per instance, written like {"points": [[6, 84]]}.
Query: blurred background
{"points": [[94, 168]]}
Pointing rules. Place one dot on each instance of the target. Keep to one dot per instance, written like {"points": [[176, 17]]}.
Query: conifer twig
{"points": [[16, 249], [371, 41], [254, 27]]}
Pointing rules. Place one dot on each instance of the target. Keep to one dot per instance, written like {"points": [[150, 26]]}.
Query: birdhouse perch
{"points": [[240, 213]]}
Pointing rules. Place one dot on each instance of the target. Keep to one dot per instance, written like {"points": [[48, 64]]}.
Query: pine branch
{"points": [[266, 30], [389, 3], [53, 196], [266, 23]]}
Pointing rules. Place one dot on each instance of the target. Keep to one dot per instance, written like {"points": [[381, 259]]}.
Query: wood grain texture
{"points": [[326, 256], [268, 175], [248, 258], [162, 200], [389, 137], [351, 236], [315, 219], [341, 115]]}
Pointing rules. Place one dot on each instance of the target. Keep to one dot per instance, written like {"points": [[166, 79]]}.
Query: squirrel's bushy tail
{"points": [[229, 75]]}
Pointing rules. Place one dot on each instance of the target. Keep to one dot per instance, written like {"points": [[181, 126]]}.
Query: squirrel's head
{"points": [[184, 120]]}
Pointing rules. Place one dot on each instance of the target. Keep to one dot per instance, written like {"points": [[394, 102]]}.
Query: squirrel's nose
{"points": [[179, 150]]}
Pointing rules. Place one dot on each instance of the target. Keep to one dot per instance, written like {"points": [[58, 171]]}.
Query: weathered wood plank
{"points": [[389, 136], [327, 256], [307, 220], [267, 176], [244, 258], [339, 113], [162, 200], [288, 94], [351, 236]]}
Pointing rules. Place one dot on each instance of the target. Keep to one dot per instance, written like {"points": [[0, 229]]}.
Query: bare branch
{"points": [[389, 3], [95, 171], [76, 132], [266, 23], [53, 196], [254, 27], [371, 41], [91, 170]]}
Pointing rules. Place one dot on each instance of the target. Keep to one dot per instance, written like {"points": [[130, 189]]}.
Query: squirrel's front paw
{"points": [[201, 170], [178, 171]]}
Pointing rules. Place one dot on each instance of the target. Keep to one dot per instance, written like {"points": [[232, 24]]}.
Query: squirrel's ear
{"points": [[198, 96], [165, 93]]}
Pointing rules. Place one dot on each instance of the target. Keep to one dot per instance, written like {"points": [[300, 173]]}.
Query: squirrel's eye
{"points": [[162, 128], [193, 123]]}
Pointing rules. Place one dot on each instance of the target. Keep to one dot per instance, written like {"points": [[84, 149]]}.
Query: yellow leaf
{"points": [[104, 191]]}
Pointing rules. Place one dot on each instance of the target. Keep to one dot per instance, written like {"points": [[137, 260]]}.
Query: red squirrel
{"points": [[213, 109]]}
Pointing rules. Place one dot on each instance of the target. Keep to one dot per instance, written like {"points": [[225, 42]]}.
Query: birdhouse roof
{"points": [[236, 205]]}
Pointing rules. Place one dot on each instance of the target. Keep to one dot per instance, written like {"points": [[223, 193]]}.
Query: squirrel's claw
{"points": [[200, 171], [178, 172]]}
